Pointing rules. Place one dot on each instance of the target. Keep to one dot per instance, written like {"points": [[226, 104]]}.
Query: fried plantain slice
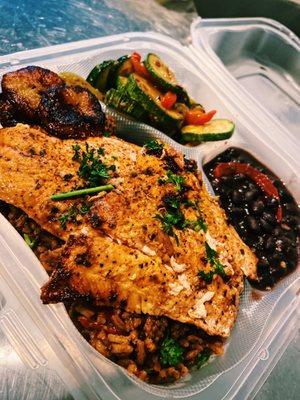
{"points": [[7, 113], [71, 112], [23, 88], [72, 79]]}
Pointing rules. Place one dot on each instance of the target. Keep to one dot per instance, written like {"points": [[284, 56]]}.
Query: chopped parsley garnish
{"points": [[172, 201], [218, 268], [198, 225], [154, 147], [174, 218], [91, 168], [171, 219], [72, 214], [76, 149], [171, 353], [177, 180], [30, 242], [203, 357], [207, 276]]}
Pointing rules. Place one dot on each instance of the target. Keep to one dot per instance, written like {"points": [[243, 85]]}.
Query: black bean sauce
{"points": [[253, 214]]}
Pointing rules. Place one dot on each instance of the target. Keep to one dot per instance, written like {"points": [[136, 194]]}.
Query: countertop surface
{"points": [[31, 24]]}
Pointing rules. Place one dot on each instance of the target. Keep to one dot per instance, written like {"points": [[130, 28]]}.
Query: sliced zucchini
{"points": [[124, 66], [181, 108], [160, 72], [123, 103], [101, 75], [143, 92], [194, 105], [217, 129], [121, 83], [165, 77]]}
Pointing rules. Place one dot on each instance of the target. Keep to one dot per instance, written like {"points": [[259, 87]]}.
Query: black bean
{"points": [[251, 194], [237, 211], [258, 206], [237, 196], [224, 190], [285, 227], [267, 227], [284, 195], [269, 217], [279, 244], [238, 178], [294, 221], [270, 243], [259, 245], [253, 223], [287, 242], [292, 255], [225, 180], [241, 228], [272, 203], [292, 208]]}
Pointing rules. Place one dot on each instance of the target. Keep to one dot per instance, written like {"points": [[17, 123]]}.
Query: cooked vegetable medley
{"points": [[149, 92]]}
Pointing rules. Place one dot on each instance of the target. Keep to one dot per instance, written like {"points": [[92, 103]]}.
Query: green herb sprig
{"points": [[203, 357], [197, 225], [91, 168], [173, 217], [217, 267], [177, 180], [72, 214], [171, 353], [154, 147], [29, 241], [81, 192]]}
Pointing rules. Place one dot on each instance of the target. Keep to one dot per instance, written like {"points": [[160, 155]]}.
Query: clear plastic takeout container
{"points": [[53, 358], [264, 57]]}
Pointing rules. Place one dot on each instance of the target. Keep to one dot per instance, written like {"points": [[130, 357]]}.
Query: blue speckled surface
{"points": [[31, 24]]}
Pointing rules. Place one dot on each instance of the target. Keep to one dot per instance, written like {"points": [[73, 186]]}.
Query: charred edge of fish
{"points": [[190, 165], [171, 164]]}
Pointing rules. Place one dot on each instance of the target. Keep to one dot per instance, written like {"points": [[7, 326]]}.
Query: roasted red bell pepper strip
{"points": [[198, 117], [84, 321], [262, 180], [168, 100], [138, 67]]}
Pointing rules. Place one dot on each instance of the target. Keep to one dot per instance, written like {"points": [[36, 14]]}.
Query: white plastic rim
{"points": [[86, 372]]}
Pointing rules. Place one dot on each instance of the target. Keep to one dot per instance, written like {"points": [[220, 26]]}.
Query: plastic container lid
{"points": [[264, 56]]}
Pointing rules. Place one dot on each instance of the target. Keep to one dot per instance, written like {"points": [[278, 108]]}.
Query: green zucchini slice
{"points": [[121, 83], [101, 75], [123, 103], [165, 77], [124, 66], [217, 129], [143, 92]]}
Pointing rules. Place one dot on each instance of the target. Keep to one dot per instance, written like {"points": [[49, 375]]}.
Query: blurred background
{"points": [[27, 24]]}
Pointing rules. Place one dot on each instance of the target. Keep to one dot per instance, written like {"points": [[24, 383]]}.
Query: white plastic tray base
{"points": [[50, 341]]}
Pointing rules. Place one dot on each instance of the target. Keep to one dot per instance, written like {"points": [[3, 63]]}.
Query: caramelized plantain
{"points": [[23, 88], [7, 113], [72, 79], [71, 112]]}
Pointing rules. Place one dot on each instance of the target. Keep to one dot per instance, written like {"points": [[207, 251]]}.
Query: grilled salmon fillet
{"points": [[122, 253]]}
